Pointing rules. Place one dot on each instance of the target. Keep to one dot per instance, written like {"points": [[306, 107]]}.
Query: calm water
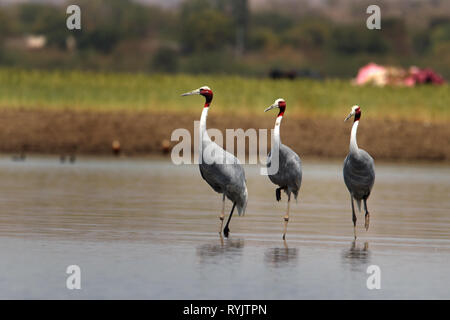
{"points": [[144, 228]]}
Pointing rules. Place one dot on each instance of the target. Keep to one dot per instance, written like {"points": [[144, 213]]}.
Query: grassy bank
{"points": [[88, 91]]}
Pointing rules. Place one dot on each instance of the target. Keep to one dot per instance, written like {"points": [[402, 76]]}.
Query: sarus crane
{"points": [[219, 168], [359, 171], [288, 177]]}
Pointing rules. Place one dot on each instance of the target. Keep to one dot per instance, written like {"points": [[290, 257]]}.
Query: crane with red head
{"points": [[219, 168], [359, 171], [289, 174]]}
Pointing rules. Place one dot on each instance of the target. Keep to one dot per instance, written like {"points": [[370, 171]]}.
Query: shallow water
{"points": [[144, 228]]}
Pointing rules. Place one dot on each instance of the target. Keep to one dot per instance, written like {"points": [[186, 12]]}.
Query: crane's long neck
{"points": [[202, 129], [353, 145], [202, 133], [276, 132]]}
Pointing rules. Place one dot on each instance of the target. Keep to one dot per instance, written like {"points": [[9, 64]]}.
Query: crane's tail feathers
{"points": [[241, 209], [358, 203], [278, 194], [242, 205], [295, 196]]}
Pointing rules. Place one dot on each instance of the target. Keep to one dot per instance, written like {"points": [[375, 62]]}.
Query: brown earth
{"points": [[60, 132]]}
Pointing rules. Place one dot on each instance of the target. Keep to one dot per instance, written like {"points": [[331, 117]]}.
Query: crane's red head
{"points": [[203, 91], [356, 111], [279, 103], [207, 93]]}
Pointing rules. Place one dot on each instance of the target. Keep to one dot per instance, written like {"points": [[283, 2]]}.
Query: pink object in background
{"points": [[371, 73], [423, 76]]}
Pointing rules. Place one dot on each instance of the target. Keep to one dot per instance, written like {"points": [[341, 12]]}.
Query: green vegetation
{"points": [[107, 91], [227, 36]]}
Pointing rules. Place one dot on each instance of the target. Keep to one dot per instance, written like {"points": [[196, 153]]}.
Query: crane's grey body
{"points": [[224, 173], [359, 175], [289, 174]]}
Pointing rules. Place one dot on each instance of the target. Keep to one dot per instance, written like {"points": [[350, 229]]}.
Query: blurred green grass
{"points": [[232, 94]]}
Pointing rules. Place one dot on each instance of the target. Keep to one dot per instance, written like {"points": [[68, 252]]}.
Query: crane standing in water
{"points": [[289, 174], [219, 168], [359, 171]]}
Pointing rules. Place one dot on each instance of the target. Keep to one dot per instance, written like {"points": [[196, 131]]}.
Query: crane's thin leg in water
{"points": [[226, 230], [353, 216], [286, 217], [367, 216], [222, 215]]}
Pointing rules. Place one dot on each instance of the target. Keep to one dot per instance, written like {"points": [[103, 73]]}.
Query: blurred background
{"points": [[325, 38], [118, 79]]}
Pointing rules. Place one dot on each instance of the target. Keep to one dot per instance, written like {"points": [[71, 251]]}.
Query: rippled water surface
{"points": [[144, 228]]}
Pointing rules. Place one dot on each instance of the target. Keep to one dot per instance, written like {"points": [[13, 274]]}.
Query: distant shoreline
{"points": [[147, 133]]}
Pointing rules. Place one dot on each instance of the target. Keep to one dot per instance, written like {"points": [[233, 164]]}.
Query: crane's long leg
{"points": [[226, 230], [367, 216], [286, 217], [353, 216], [222, 214]]}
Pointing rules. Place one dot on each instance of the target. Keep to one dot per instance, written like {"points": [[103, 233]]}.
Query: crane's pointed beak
{"points": [[349, 116], [190, 93], [270, 108]]}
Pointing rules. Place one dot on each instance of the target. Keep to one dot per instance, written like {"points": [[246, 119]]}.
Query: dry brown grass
{"points": [[142, 133]]}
